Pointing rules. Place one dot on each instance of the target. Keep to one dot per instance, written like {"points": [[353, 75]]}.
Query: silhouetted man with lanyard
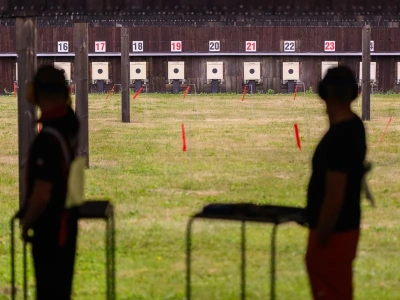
{"points": [[333, 206], [54, 227]]}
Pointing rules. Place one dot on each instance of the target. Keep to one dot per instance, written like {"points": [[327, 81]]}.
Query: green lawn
{"points": [[237, 152]]}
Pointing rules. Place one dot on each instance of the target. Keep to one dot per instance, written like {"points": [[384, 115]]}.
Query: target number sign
{"points": [[251, 46], [289, 46], [330, 46], [63, 46], [176, 46], [137, 46], [100, 46], [214, 46], [372, 46]]}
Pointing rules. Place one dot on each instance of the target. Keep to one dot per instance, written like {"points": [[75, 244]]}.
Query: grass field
{"points": [[237, 152]]}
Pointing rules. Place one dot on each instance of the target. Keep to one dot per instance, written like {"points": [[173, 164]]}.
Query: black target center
{"points": [[252, 71], [100, 71], [176, 70], [291, 71], [215, 71], [138, 71]]}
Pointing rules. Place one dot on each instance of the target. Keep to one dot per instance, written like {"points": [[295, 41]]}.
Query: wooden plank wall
{"points": [[195, 39]]}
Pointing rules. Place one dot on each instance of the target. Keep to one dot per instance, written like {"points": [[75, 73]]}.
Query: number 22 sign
{"points": [[330, 46]]}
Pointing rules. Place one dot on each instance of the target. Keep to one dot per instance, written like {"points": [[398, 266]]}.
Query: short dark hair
{"points": [[50, 82], [339, 83]]}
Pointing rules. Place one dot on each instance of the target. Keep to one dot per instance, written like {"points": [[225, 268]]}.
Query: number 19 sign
{"points": [[100, 47], [176, 46]]}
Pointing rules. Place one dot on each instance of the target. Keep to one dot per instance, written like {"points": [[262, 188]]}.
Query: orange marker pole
{"points": [[186, 92], [112, 90], [295, 92], [15, 90], [137, 93], [244, 93], [296, 131], [184, 148], [386, 129]]}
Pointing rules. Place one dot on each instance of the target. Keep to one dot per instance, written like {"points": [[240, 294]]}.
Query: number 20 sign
{"points": [[330, 46], [100, 47]]}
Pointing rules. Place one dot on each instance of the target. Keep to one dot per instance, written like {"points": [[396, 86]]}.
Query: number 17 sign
{"points": [[100, 47]]}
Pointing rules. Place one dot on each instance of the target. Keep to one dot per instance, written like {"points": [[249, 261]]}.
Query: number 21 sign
{"points": [[251, 46]]}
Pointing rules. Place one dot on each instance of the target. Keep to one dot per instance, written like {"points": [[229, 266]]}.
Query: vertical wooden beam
{"points": [[81, 49], [26, 32], [366, 73], [125, 75]]}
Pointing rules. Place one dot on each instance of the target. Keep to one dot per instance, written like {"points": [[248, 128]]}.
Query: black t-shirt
{"points": [[342, 149], [47, 162]]}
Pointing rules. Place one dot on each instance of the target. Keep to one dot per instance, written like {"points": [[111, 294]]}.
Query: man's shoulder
{"points": [[45, 142]]}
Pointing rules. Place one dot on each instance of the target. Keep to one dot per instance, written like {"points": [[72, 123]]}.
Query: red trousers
{"points": [[330, 269]]}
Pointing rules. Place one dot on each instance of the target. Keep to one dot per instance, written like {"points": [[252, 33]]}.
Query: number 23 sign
{"points": [[330, 46]]}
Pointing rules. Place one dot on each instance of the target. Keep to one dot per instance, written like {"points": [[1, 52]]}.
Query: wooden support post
{"points": [[125, 75], [82, 85], [366, 73], [26, 33]]}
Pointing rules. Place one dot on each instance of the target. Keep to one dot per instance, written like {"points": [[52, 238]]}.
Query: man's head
{"points": [[339, 85], [49, 87]]}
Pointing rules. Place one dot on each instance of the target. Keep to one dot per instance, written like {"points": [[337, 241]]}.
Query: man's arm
{"points": [[37, 204], [333, 203]]}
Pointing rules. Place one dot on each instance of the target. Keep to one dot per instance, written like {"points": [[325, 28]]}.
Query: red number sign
{"points": [[330, 46], [176, 46], [251, 46], [100, 47]]}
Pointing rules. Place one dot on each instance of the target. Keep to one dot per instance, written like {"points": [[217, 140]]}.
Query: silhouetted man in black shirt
{"points": [[54, 227], [333, 202]]}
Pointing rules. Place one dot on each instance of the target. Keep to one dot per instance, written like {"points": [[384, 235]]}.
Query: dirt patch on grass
{"points": [[8, 159], [190, 192], [105, 163]]}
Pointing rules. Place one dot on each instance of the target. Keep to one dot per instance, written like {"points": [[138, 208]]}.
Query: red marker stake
{"points": [[15, 90], [112, 90], [183, 138], [186, 92], [295, 92], [244, 93], [296, 131], [137, 93], [386, 129]]}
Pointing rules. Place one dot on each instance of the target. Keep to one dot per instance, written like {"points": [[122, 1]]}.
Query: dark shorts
{"points": [[54, 259]]}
